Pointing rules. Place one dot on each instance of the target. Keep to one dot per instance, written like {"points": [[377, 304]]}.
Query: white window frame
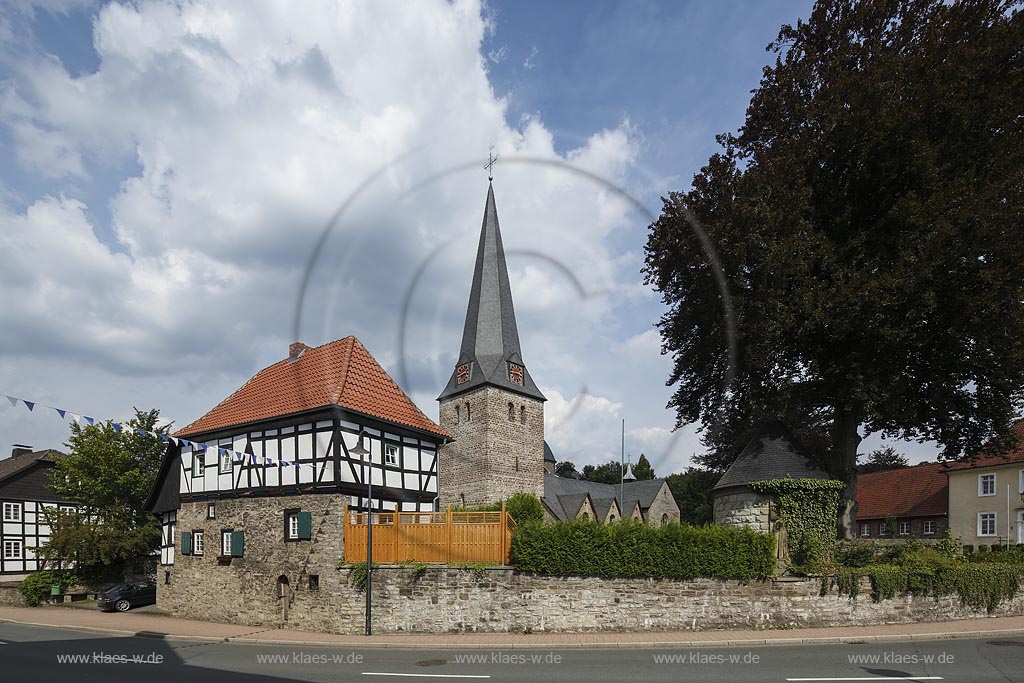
{"points": [[13, 512], [983, 518], [904, 528], [197, 542], [390, 454], [929, 527], [983, 481], [293, 526], [211, 511], [225, 463], [865, 529], [199, 464], [225, 544], [14, 549], [1020, 483]]}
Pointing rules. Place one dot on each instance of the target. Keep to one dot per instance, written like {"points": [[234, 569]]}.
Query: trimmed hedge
{"points": [[632, 549]]}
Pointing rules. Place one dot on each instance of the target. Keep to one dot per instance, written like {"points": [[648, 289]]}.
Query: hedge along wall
{"points": [[810, 510], [586, 548]]}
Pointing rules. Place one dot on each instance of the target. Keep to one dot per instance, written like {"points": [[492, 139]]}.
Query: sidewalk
{"points": [[156, 625]]}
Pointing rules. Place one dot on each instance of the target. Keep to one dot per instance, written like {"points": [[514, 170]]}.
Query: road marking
{"points": [[873, 678], [379, 673]]}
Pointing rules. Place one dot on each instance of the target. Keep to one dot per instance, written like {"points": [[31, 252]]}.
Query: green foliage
{"points": [[479, 568], [890, 526], [809, 509], [859, 219], [357, 574], [692, 491], [110, 473], [566, 469], [883, 459], [856, 554], [912, 568], [525, 508], [642, 470], [586, 548], [35, 589], [608, 473], [948, 545]]}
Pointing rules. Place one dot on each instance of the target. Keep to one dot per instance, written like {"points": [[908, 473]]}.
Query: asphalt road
{"points": [[33, 654]]}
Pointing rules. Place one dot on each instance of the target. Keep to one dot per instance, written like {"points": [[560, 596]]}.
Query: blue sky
{"points": [[166, 168]]}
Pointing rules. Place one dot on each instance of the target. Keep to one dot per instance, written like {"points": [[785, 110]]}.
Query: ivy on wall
{"points": [[809, 508]]}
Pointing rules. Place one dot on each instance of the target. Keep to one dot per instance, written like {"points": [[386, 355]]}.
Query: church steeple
{"points": [[490, 352]]}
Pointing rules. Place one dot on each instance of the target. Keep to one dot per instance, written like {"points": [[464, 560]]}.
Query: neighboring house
{"points": [[773, 453], [910, 500], [986, 496], [648, 501], [244, 539], [25, 493]]}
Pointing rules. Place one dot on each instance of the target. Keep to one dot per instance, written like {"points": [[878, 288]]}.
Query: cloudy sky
{"points": [[168, 170]]}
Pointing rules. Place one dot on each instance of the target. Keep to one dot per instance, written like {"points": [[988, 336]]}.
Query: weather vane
{"points": [[491, 160]]}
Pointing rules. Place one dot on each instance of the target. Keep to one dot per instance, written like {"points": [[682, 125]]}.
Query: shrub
{"points": [[853, 554], [35, 589], [948, 546], [581, 547], [968, 549], [525, 508]]}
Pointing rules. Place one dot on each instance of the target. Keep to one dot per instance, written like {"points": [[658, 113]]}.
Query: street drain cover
{"points": [[431, 662], [1018, 643]]}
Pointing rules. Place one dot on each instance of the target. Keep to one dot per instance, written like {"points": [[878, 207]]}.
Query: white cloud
{"points": [[243, 129]]}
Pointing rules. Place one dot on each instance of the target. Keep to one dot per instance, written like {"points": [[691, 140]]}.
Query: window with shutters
{"points": [[197, 542]]}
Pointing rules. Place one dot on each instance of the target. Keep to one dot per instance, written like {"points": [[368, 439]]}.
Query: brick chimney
{"points": [[296, 349], [20, 449]]}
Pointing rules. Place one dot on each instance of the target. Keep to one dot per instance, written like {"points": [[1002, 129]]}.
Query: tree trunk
{"points": [[843, 461]]}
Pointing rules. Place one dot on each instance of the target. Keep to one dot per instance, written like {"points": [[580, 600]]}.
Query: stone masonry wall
{"points": [[492, 456], [743, 508], [501, 600], [244, 590], [10, 596]]}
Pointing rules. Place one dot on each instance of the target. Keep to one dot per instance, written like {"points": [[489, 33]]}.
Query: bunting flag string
{"points": [[166, 438]]}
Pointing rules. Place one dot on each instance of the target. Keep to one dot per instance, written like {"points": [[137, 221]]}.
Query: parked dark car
{"points": [[123, 596]]}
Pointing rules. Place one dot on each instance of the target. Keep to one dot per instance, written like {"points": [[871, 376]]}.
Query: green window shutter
{"points": [[186, 542], [305, 526], [237, 543]]}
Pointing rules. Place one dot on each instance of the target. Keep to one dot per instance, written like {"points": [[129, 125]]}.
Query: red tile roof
{"points": [[339, 373], [988, 457], [918, 491]]}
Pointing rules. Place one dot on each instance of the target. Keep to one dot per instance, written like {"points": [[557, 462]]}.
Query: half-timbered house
{"points": [[25, 495], [252, 494]]}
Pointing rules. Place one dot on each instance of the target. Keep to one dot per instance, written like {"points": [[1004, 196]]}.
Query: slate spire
{"points": [[490, 352]]}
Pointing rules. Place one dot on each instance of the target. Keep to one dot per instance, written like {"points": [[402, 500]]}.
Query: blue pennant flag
{"points": [[221, 451], [90, 420], [117, 427], [60, 412], [164, 437], [143, 432], [297, 465], [238, 457], [28, 404], [254, 459], [285, 463]]}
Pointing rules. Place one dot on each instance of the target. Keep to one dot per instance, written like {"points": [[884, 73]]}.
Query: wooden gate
{"points": [[434, 537]]}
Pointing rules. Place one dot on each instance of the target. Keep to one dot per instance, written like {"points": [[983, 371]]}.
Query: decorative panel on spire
{"points": [[490, 352]]}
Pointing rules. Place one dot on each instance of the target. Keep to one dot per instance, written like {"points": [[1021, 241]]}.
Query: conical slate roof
{"points": [[490, 339], [773, 453]]}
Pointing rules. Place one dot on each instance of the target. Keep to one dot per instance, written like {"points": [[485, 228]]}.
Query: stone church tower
{"points": [[491, 405]]}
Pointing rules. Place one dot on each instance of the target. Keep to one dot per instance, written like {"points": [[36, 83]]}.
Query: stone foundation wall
{"points": [[10, 596], [743, 508], [244, 590], [501, 600]]}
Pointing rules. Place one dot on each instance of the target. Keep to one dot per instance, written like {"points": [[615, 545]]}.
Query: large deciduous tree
{"points": [[110, 473], [867, 221]]}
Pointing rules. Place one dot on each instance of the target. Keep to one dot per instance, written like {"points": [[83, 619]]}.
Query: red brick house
{"points": [[915, 499]]}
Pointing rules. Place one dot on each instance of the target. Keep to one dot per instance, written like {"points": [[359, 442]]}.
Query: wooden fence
{"points": [[435, 537]]}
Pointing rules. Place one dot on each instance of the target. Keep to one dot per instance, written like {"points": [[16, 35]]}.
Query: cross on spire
{"points": [[491, 160]]}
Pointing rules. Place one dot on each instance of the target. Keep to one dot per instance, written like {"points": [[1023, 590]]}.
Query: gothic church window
{"points": [[522, 414], [511, 412]]}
